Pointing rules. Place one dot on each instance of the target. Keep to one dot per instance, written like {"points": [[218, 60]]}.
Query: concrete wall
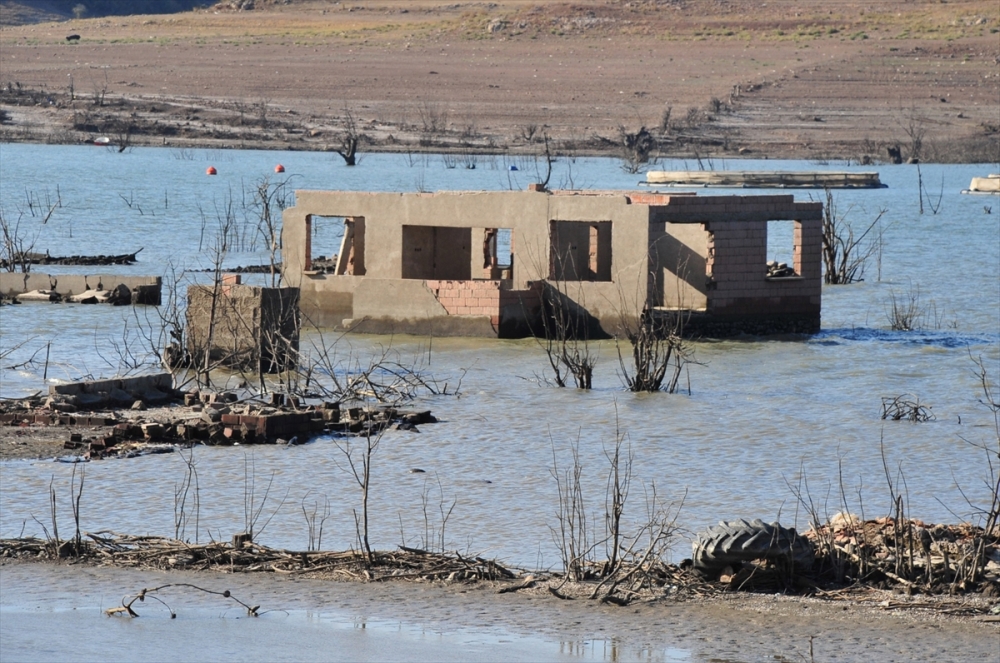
{"points": [[526, 213], [136, 384], [15, 283]]}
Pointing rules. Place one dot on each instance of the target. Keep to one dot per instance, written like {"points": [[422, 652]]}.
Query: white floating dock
{"points": [[988, 185], [774, 179]]}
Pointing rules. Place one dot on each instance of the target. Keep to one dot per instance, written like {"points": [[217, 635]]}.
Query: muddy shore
{"points": [[732, 627], [781, 80]]}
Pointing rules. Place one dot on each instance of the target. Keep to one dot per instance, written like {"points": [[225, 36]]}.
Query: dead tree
{"points": [[122, 130], [636, 148], [359, 457], [565, 338], [349, 139], [658, 347], [549, 159], [15, 247], [267, 201], [844, 255], [571, 536]]}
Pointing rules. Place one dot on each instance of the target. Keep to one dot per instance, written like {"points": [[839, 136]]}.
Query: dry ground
{"points": [[802, 78]]}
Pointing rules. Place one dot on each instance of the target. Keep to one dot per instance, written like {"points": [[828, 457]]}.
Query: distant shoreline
{"points": [[785, 80]]}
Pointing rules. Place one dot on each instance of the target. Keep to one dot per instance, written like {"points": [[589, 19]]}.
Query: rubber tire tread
{"points": [[738, 541]]}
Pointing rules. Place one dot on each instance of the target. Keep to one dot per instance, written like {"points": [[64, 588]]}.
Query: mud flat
{"points": [[732, 627], [786, 79]]}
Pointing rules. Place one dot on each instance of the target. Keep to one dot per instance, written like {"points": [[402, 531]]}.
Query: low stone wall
{"points": [[144, 289], [137, 384]]}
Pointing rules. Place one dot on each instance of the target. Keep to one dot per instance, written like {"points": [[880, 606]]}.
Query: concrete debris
{"points": [[209, 418], [777, 269]]}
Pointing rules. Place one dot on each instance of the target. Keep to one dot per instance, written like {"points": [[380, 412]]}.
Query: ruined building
{"points": [[483, 263]]}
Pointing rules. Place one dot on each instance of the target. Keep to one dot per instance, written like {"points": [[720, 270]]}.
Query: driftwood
{"points": [[660, 581], [154, 552], [908, 553], [524, 584], [144, 593]]}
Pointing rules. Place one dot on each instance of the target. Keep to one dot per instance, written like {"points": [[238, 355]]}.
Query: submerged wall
{"points": [[393, 294], [430, 264]]}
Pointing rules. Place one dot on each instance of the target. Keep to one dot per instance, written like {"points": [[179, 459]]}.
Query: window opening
{"points": [[498, 253], [580, 250], [437, 252], [335, 244], [781, 248]]}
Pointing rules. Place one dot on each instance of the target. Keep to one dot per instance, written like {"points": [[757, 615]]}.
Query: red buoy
{"points": [[211, 170], [279, 168]]}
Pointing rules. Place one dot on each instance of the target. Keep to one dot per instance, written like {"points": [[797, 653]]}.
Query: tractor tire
{"points": [[732, 543]]}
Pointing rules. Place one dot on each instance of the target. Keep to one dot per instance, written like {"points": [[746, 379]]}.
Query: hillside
{"points": [[708, 78], [23, 12]]}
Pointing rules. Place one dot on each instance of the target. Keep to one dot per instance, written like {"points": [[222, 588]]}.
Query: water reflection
{"points": [[614, 650], [86, 635]]}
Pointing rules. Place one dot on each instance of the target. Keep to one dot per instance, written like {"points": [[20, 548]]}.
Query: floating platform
{"points": [[988, 185], [771, 179]]}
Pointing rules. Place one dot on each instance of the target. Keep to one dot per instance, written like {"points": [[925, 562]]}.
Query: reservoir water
{"points": [[763, 414]]}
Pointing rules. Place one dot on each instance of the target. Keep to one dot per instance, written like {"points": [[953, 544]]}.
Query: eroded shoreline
{"points": [[785, 80]]}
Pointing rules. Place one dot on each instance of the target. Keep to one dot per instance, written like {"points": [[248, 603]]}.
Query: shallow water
{"points": [[313, 619], [299, 620], [206, 636], [763, 414], [34, 606]]}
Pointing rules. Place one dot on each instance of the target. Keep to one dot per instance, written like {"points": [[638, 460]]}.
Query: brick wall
{"points": [[468, 297], [736, 265], [808, 240], [492, 298]]}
